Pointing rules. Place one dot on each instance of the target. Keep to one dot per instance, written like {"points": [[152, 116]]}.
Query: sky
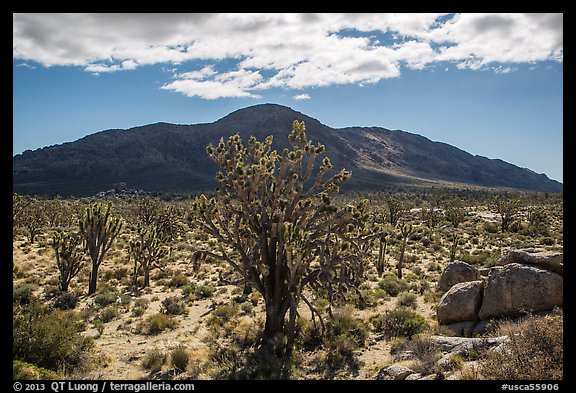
{"points": [[489, 84]]}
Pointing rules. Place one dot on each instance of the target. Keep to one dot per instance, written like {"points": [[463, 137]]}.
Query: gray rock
{"points": [[459, 345], [515, 289], [413, 377], [460, 303], [455, 273], [395, 372], [548, 260]]}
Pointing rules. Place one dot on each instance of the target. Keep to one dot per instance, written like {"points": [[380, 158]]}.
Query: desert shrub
{"points": [[491, 227], [534, 351], [26, 371], [398, 322], [344, 335], [156, 324], [426, 351], [309, 334], [479, 257], [153, 360], [407, 299], [22, 293], [108, 314], [547, 241], [173, 306], [392, 285], [106, 296], [194, 291], [223, 316], [178, 281], [66, 300], [179, 358], [48, 339]]}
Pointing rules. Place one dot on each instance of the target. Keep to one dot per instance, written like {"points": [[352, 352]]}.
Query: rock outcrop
{"points": [[516, 289], [461, 303], [552, 261], [521, 283], [457, 272]]}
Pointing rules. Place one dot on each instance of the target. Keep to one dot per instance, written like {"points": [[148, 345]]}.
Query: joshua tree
{"points": [[99, 229], [455, 238], [508, 209], [385, 234], [33, 218], [274, 211], [69, 257], [406, 230], [537, 221], [454, 212], [147, 251], [396, 209], [431, 216]]}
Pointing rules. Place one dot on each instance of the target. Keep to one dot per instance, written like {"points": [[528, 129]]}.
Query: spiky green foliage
{"points": [[147, 252], [99, 228], [69, 257], [274, 210]]}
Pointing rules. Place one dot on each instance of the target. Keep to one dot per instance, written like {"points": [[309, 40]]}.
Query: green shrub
{"points": [[156, 324], [22, 293], [26, 371], [66, 301], [221, 315], [547, 241], [173, 306], [48, 339], [105, 297], [108, 314], [407, 299], [344, 335], [392, 285], [178, 281], [399, 322]]}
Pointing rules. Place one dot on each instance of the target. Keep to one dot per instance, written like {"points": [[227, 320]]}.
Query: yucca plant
{"points": [[99, 229]]}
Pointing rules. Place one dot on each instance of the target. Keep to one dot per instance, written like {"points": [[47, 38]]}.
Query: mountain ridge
{"points": [[167, 157]]}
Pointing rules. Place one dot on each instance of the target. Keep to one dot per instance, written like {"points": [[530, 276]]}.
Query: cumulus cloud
{"points": [[300, 97], [294, 51]]}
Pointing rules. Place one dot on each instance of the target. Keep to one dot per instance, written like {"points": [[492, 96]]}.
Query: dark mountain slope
{"points": [[169, 157]]}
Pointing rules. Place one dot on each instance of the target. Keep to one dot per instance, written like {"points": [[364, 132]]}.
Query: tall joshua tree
{"points": [[147, 251], [274, 210], [69, 255], [508, 209], [99, 229]]}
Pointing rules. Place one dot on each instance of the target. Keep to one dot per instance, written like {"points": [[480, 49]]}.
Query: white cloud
{"points": [[229, 84], [301, 97], [295, 50]]}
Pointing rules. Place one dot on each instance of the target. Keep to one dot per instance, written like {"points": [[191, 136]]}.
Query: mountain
{"points": [[170, 157]]}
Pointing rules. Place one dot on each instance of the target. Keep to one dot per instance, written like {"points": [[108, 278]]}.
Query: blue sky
{"points": [[481, 82]]}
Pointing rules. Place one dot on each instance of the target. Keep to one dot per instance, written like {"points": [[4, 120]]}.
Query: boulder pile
{"points": [[520, 283]]}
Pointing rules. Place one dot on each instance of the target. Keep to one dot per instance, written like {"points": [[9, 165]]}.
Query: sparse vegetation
{"points": [[274, 276]]}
